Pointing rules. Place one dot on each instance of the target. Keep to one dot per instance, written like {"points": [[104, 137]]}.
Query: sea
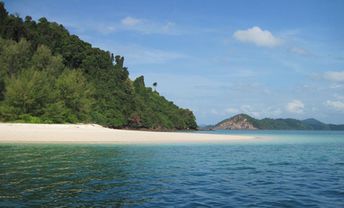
{"points": [[277, 169]]}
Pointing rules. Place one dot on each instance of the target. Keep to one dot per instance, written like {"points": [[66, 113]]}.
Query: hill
{"points": [[243, 121], [48, 75]]}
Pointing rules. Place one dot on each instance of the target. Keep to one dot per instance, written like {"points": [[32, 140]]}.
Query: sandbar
{"points": [[96, 134]]}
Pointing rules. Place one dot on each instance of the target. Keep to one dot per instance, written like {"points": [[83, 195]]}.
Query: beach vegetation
{"points": [[48, 75]]}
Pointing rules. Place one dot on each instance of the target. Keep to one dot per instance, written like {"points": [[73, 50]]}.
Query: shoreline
{"points": [[96, 134]]}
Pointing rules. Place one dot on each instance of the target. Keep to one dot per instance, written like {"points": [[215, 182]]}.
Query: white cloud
{"points": [[336, 86], [250, 111], [295, 106], [145, 26], [168, 26], [298, 50], [336, 76], [337, 105], [82, 27], [231, 110], [215, 112], [224, 112], [139, 25], [257, 36], [130, 21], [270, 111], [338, 96], [142, 55]]}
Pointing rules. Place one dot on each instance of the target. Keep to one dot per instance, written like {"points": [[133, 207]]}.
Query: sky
{"points": [[266, 58]]}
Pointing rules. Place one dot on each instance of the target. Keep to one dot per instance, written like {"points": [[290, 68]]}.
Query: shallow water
{"points": [[290, 169]]}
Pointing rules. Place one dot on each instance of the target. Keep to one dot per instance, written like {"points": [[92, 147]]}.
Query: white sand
{"points": [[92, 133]]}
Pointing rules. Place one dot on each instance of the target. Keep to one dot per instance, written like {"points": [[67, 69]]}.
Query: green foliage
{"points": [[13, 58], [42, 89], [26, 118], [50, 76], [29, 92], [157, 112], [44, 60], [287, 124], [75, 93]]}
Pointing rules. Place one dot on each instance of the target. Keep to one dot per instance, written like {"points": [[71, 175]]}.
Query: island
{"points": [[246, 122]]}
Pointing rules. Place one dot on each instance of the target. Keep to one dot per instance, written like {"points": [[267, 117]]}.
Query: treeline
{"points": [[50, 76]]}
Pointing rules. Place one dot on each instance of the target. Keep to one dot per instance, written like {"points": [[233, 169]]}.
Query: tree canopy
{"points": [[48, 75]]}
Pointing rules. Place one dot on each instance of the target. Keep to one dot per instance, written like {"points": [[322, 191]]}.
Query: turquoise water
{"points": [[284, 137], [289, 169]]}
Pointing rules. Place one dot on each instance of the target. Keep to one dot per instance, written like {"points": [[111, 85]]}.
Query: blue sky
{"points": [[219, 58]]}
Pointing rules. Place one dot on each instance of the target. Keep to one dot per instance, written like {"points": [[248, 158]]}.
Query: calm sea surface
{"points": [[289, 169]]}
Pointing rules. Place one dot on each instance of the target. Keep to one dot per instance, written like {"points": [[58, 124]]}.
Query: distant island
{"points": [[48, 75], [246, 122]]}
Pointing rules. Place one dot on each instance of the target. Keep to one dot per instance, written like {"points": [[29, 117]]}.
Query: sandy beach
{"points": [[96, 134]]}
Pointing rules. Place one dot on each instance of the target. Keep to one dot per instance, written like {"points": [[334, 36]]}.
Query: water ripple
{"points": [[170, 176]]}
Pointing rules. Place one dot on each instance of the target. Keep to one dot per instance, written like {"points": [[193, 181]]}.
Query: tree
{"points": [[29, 92], [3, 14], [14, 56], [75, 94], [49, 75], [43, 59], [155, 85]]}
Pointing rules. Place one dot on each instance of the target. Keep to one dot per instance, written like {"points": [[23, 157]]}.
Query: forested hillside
{"points": [[48, 75], [244, 121]]}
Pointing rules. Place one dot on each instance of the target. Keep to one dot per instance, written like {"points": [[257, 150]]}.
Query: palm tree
{"points": [[155, 84]]}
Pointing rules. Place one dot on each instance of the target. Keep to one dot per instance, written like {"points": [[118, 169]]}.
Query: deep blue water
{"points": [[290, 169]]}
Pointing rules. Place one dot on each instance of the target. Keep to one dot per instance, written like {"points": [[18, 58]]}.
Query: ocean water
{"points": [[289, 169]]}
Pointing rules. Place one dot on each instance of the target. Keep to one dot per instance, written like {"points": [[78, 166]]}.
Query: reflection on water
{"points": [[269, 175]]}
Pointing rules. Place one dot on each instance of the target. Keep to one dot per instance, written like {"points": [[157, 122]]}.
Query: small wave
{"points": [[339, 163], [244, 168], [280, 164], [333, 193], [282, 203]]}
